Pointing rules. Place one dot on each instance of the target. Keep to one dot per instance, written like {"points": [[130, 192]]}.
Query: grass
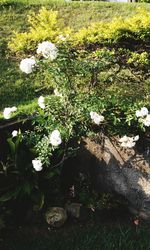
{"points": [[19, 90], [83, 238]]}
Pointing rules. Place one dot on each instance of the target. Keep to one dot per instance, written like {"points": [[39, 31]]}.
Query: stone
{"points": [[56, 216], [113, 169], [73, 209]]}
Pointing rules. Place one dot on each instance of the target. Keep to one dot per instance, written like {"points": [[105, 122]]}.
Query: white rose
{"points": [[14, 133], [55, 138], [41, 102], [97, 119], [144, 111], [128, 142], [37, 164], [13, 109], [48, 50], [123, 139], [8, 111], [138, 113], [146, 121], [27, 65], [141, 113]]}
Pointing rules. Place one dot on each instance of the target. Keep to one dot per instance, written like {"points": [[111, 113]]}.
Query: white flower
{"points": [[48, 50], [7, 112], [144, 111], [146, 121], [123, 139], [14, 133], [136, 138], [97, 119], [27, 65], [141, 113], [41, 102], [138, 113], [13, 109], [55, 138], [56, 92], [37, 164], [128, 142]]}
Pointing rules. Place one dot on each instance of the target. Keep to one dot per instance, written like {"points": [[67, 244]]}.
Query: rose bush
{"points": [[90, 89]]}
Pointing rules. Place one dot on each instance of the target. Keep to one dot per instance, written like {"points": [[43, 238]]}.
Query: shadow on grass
{"points": [[84, 238]]}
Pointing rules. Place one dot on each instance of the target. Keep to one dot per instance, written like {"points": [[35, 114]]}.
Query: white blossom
{"points": [[55, 138], [123, 139], [37, 164], [14, 133], [136, 138], [97, 119], [27, 65], [138, 113], [141, 113], [48, 50], [146, 121], [41, 102], [57, 93], [13, 109], [8, 111], [128, 142]]}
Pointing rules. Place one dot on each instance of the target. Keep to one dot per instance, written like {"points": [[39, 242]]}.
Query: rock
{"points": [[73, 209], [113, 169], [56, 216]]}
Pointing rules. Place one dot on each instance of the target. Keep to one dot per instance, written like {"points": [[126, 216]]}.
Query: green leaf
{"points": [[9, 195], [38, 198], [11, 145]]}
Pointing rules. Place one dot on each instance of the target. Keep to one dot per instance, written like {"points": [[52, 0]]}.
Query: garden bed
{"points": [[75, 102]]}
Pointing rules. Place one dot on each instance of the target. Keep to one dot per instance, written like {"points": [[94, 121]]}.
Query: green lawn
{"points": [[18, 89]]}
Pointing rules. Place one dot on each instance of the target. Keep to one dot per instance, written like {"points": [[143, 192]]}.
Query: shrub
{"points": [[42, 26], [119, 30], [89, 89], [45, 26]]}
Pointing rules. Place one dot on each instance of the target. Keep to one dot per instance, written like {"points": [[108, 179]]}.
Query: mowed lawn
{"points": [[22, 90]]}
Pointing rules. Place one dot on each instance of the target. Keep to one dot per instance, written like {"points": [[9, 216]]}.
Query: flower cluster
{"points": [[144, 116], [27, 65], [8, 111], [55, 138], [128, 142], [96, 118], [48, 50]]}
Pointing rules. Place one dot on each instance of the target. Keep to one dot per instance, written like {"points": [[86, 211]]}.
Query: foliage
{"points": [[43, 26], [120, 31], [133, 29]]}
